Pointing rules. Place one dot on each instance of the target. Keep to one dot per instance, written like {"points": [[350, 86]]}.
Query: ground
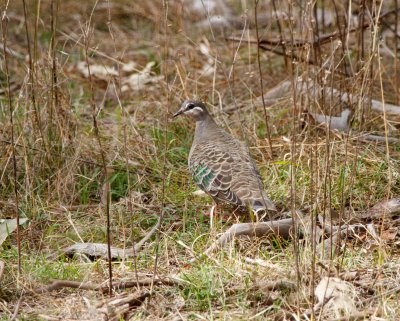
{"points": [[92, 94]]}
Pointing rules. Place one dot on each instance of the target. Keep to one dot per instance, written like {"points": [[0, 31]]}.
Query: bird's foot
{"points": [[212, 213]]}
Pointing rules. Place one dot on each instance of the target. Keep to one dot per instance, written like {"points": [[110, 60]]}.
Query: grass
{"points": [[60, 182]]}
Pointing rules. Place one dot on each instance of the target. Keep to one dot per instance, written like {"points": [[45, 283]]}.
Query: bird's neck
{"points": [[205, 125]]}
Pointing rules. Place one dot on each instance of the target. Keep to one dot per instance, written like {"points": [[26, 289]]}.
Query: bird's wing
{"points": [[247, 183], [212, 170]]}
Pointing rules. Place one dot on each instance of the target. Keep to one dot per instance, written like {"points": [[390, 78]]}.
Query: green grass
{"points": [[222, 286]]}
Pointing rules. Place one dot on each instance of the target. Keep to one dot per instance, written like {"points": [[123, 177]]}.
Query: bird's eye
{"points": [[190, 106]]}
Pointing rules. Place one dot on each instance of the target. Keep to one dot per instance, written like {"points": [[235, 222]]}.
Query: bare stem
{"points": [[87, 33], [4, 25], [266, 118]]}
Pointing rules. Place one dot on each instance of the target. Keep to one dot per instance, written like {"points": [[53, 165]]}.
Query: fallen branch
{"points": [[387, 208], [95, 250], [61, 284], [92, 250], [279, 228], [282, 228], [333, 122], [323, 39], [379, 139], [272, 45], [118, 308]]}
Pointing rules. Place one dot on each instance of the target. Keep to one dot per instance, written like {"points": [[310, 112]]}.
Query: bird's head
{"points": [[193, 108]]}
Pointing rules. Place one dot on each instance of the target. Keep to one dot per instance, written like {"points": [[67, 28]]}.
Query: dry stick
{"points": [[361, 35], [35, 33], [13, 53], [2, 266], [266, 117], [318, 59], [270, 45], [31, 83], [16, 310], [120, 307], [320, 40], [4, 26], [342, 38], [118, 92], [396, 22], [385, 122], [283, 228], [54, 83], [299, 58], [96, 249], [164, 169], [60, 284], [280, 228], [282, 41], [292, 166], [102, 153], [338, 239], [374, 24]]}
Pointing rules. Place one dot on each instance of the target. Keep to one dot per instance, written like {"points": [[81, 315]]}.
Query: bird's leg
{"points": [[212, 212]]}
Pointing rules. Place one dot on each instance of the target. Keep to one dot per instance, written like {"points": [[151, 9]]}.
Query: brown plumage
{"points": [[221, 165]]}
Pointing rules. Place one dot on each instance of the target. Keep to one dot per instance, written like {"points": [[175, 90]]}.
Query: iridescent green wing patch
{"points": [[203, 176]]}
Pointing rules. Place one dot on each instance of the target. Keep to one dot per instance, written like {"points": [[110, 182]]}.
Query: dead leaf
{"points": [[337, 297], [7, 226], [138, 80], [389, 234], [98, 71]]}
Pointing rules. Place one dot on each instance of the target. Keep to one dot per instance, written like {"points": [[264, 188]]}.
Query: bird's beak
{"points": [[179, 112]]}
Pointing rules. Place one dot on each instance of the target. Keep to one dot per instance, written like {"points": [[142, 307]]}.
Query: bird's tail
{"points": [[263, 203]]}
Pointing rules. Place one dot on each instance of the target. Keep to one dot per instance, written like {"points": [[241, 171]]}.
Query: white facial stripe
{"points": [[198, 108]]}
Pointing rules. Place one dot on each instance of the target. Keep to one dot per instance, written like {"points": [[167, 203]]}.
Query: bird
{"points": [[221, 165]]}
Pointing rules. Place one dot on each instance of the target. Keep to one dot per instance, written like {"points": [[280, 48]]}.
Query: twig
{"points": [[323, 39], [61, 284], [54, 93], [270, 45], [86, 33], [148, 235], [119, 307], [12, 52], [164, 159], [16, 310], [266, 116], [2, 266], [4, 26], [379, 139], [32, 95]]}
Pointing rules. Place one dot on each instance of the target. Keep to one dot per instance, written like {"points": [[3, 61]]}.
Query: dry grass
{"points": [[60, 178]]}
